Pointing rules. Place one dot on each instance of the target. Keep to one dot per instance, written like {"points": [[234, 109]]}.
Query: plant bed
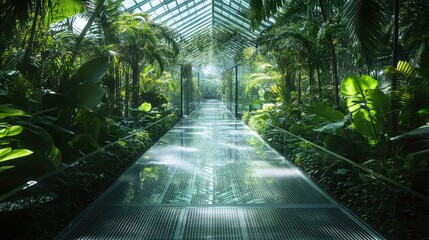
{"points": [[43, 210], [392, 212]]}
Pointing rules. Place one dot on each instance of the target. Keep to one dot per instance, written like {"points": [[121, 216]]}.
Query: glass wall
{"points": [[41, 207], [244, 99], [228, 90], [209, 83], [189, 94], [391, 208], [231, 90], [189, 89]]}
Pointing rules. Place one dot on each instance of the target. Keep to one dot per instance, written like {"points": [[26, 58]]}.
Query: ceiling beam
{"points": [[131, 9], [195, 20], [186, 19], [178, 8], [201, 26], [192, 28]]}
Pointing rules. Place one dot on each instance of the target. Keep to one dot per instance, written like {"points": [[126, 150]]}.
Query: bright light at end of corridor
{"points": [[208, 69]]}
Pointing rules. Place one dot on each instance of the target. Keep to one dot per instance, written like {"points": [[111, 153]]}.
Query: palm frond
{"points": [[263, 9], [364, 21], [404, 71]]}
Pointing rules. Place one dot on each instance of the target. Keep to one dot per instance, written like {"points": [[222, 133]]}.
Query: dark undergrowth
{"points": [[392, 212], [43, 210]]}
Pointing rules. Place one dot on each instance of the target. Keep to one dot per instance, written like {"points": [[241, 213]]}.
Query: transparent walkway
{"points": [[211, 177]]}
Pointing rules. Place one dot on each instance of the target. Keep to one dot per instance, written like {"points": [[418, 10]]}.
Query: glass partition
{"points": [[391, 208], [244, 99], [189, 89], [209, 84], [42, 207], [228, 89], [176, 99]]}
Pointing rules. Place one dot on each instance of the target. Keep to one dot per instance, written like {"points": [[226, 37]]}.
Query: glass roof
{"points": [[195, 17]]}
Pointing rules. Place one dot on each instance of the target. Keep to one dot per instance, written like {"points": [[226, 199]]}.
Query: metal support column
{"points": [[181, 91], [236, 91], [230, 93], [198, 79]]}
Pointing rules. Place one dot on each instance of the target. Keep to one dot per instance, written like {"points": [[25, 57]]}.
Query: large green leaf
{"points": [[6, 110], [331, 127], [40, 142], [378, 102], [403, 70], [4, 168], [145, 107], [368, 105], [366, 125], [353, 104], [360, 93], [255, 105], [364, 20], [93, 70], [324, 113], [10, 131], [16, 153], [356, 85], [61, 9], [54, 155], [86, 95], [421, 131], [4, 151]]}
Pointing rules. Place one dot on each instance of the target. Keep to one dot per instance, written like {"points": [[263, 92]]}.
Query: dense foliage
{"points": [[352, 77], [368, 115], [75, 76]]}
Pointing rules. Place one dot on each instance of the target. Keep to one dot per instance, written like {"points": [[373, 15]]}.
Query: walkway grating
{"points": [[211, 177]]}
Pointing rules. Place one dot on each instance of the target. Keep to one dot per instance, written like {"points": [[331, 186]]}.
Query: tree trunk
{"points": [[311, 79], [335, 72], [127, 90], [85, 29], [288, 83], [394, 87], [30, 44], [79, 40], [333, 54], [299, 94], [112, 89], [135, 88], [299, 86], [318, 80], [118, 109]]}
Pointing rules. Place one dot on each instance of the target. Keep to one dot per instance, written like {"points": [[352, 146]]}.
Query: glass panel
{"points": [[369, 195], [145, 8], [128, 3], [172, 5], [54, 199]]}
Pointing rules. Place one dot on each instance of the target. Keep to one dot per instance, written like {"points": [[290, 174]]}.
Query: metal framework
{"points": [[191, 17]]}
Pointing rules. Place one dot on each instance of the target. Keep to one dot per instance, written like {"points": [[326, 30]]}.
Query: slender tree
{"points": [[395, 59]]}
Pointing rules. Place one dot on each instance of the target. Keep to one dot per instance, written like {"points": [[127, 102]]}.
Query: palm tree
{"points": [[263, 9], [142, 42], [39, 11]]}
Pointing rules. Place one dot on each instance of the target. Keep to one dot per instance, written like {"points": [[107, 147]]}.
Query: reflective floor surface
{"points": [[211, 177]]}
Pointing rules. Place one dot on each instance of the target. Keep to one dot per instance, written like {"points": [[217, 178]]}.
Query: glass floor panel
{"points": [[211, 177]]}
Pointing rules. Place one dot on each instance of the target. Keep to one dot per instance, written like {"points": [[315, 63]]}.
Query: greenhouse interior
{"points": [[209, 119]]}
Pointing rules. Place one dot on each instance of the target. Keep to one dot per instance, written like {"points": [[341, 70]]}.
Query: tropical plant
{"points": [[364, 20], [7, 131], [367, 105], [27, 150], [140, 40], [412, 95]]}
